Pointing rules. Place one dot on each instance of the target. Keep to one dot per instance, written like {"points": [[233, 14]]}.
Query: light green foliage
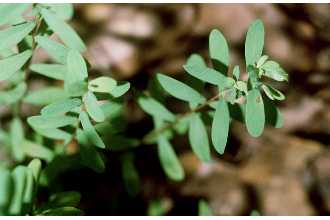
{"points": [[248, 101], [86, 115], [66, 108], [204, 208]]}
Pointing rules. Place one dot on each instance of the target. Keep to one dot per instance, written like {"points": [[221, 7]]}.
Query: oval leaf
{"points": [[77, 69], [60, 107], [54, 71], [90, 131], [155, 108], [198, 138], [43, 121], [15, 34], [220, 126], [254, 42], [169, 160], [56, 50], [102, 84], [63, 30], [12, 64], [93, 108], [219, 51], [16, 138], [254, 113], [179, 90]]}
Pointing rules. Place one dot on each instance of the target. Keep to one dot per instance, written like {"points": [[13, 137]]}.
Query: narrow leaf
{"points": [[77, 69], [60, 107], [169, 160], [155, 108], [45, 96], [6, 190], [219, 51], [15, 34], [12, 64], [179, 90], [16, 139], [90, 131], [54, 71], [198, 138], [36, 150], [93, 108], [254, 113], [220, 126], [206, 74], [19, 177], [43, 121], [254, 42], [56, 50]]}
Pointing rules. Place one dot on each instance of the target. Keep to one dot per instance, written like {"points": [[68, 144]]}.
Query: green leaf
{"points": [[130, 174], [19, 177], [204, 208], [12, 64], [13, 95], [274, 71], [6, 190], [220, 126], [15, 34], [120, 90], [54, 71], [29, 189], [69, 198], [90, 131], [16, 139], [254, 113], [254, 42], [45, 96], [198, 138], [64, 11], [241, 86], [51, 121], [179, 90], [219, 51], [63, 211], [155, 108], [93, 108], [60, 107], [35, 167], [195, 60], [11, 13], [236, 72], [56, 50], [88, 154], [77, 69], [35, 150], [63, 30], [76, 89], [102, 84], [273, 93], [273, 115], [169, 160], [54, 133], [206, 74], [261, 61]]}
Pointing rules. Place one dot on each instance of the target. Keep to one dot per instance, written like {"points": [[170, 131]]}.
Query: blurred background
{"points": [[284, 172]]}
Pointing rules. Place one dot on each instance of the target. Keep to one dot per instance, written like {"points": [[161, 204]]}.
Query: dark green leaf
{"points": [[63, 30], [90, 131], [12, 64], [273, 115], [219, 51], [15, 34], [220, 126], [198, 138], [89, 155], [69, 198], [169, 160], [63, 211], [254, 113], [130, 174], [273, 93], [254, 42], [179, 90]]}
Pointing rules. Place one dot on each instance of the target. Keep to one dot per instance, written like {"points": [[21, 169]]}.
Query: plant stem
{"points": [[154, 133]]}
